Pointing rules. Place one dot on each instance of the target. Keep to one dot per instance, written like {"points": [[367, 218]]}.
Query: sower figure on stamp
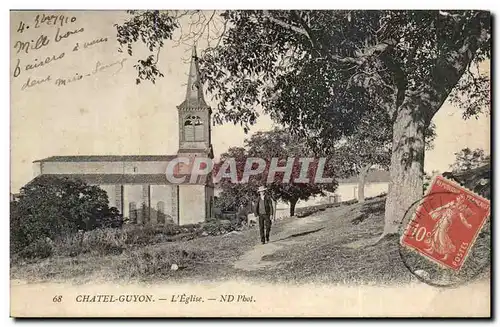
{"points": [[439, 240], [264, 210]]}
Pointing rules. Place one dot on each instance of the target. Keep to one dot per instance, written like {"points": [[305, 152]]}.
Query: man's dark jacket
{"points": [[267, 202]]}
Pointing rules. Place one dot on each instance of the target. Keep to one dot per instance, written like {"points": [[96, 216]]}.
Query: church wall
{"points": [[192, 206], [174, 203], [110, 191], [193, 145], [161, 200], [146, 167], [82, 167], [132, 193], [151, 195], [119, 197], [209, 202], [146, 205], [139, 167]]}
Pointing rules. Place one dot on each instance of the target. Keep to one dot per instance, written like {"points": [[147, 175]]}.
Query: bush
{"points": [[17, 233], [111, 218], [39, 249], [218, 227], [53, 207]]}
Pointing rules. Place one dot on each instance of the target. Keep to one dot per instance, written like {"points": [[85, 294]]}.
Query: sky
{"points": [[106, 113]]}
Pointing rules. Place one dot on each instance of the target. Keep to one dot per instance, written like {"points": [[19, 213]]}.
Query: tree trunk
{"points": [[292, 207], [361, 183], [407, 163], [413, 117]]}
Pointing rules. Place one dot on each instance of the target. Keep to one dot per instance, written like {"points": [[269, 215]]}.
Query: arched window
{"points": [[194, 129], [160, 208], [132, 212]]}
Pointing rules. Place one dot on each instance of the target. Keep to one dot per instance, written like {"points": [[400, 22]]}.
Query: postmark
{"points": [[445, 236]]}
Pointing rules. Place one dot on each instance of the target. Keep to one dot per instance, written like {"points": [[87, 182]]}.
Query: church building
{"points": [[137, 184]]}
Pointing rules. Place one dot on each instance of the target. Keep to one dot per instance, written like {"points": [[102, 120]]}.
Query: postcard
{"points": [[250, 163]]}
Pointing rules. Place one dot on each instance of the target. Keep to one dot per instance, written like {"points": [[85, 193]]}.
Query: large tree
{"points": [[320, 72]]}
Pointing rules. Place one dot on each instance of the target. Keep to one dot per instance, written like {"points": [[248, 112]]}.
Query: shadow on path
{"points": [[298, 234]]}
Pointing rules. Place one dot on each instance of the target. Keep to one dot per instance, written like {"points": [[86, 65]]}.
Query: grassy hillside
{"points": [[330, 245]]}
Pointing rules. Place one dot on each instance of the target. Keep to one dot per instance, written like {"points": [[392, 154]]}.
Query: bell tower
{"points": [[195, 198], [194, 116]]}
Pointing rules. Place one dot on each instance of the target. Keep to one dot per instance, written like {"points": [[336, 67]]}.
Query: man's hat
{"points": [[261, 189]]}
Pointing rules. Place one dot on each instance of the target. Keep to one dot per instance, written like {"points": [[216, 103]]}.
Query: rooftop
{"points": [[117, 179], [108, 158]]}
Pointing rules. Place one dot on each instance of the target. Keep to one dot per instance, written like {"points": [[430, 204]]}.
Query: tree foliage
{"points": [[312, 68], [278, 144], [52, 207], [467, 159], [428, 178]]}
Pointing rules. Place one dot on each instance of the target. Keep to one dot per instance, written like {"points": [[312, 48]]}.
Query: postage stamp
{"points": [[446, 223]]}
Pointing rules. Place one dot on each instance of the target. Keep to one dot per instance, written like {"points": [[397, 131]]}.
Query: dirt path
{"points": [[252, 259]]}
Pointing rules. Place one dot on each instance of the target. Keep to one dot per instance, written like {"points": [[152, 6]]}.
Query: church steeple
{"points": [[194, 116], [194, 92]]}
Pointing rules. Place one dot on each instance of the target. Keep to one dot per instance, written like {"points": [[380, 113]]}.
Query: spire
{"points": [[194, 93]]}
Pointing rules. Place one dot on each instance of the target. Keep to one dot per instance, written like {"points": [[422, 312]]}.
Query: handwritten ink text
{"points": [[41, 42], [33, 82], [37, 63], [59, 37], [53, 20]]}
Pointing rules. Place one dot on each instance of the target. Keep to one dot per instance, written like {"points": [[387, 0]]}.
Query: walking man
{"points": [[264, 210]]}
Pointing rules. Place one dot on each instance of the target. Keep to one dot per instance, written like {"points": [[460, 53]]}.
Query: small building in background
{"points": [[376, 183]]}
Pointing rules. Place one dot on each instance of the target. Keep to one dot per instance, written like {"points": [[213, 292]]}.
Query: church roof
{"points": [[117, 179], [193, 151], [108, 158], [194, 92]]}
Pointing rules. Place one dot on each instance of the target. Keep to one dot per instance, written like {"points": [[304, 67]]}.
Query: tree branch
{"points": [[287, 25], [306, 31]]}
